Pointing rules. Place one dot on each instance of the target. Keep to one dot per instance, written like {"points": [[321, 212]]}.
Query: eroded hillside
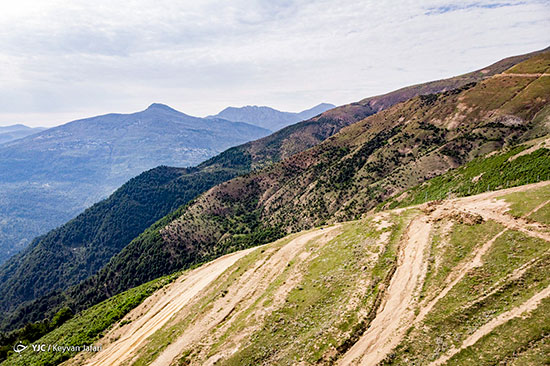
{"points": [[62, 258], [340, 179], [345, 176], [439, 283]]}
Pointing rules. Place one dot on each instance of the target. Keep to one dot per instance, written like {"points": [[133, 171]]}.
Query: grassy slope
{"points": [[339, 179], [312, 323], [480, 175], [111, 224], [243, 228], [480, 296], [321, 316], [88, 326]]}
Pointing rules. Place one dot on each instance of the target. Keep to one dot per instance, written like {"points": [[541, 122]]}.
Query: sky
{"points": [[64, 60]]}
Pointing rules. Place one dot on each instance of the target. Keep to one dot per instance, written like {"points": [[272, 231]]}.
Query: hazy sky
{"points": [[63, 60]]}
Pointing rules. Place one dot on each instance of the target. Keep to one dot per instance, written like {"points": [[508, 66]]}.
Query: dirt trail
{"points": [[488, 208], [396, 315], [537, 75], [242, 294], [176, 296], [485, 329], [459, 275], [386, 329], [495, 210]]}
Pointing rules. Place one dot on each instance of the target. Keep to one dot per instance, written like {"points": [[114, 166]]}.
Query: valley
{"points": [[361, 236], [48, 177], [407, 224]]}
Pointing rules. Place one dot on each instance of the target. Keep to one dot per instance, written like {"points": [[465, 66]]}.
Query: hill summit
{"points": [[50, 176], [268, 117]]}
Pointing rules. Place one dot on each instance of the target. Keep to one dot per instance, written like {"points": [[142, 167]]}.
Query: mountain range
{"points": [[427, 284], [50, 176], [14, 132], [268, 117], [342, 177], [335, 166]]}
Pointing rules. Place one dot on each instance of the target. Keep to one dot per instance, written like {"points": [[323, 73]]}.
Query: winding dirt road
{"points": [[396, 315], [387, 328], [176, 296]]}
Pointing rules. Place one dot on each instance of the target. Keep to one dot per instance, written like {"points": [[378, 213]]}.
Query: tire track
{"points": [[485, 329], [179, 294], [386, 329]]}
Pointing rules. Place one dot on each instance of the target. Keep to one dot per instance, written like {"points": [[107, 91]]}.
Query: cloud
{"points": [[441, 9], [79, 58]]}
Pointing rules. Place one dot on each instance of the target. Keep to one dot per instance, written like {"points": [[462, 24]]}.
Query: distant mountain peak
{"points": [[268, 117], [160, 106], [327, 105]]}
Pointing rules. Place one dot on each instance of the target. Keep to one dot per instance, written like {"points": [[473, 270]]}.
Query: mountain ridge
{"points": [[253, 157], [48, 177], [17, 131], [268, 117], [344, 169]]}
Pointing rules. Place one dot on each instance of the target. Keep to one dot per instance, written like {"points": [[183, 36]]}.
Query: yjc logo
{"points": [[19, 347]]}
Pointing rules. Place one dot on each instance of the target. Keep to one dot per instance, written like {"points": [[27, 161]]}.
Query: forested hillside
{"points": [[51, 176], [441, 283], [336, 180]]}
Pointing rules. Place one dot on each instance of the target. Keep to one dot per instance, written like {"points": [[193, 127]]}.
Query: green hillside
{"points": [[439, 284], [339, 179], [514, 167], [63, 257]]}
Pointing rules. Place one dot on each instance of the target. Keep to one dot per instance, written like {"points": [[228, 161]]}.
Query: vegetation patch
{"points": [[521, 203], [514, 269], [87, 327], [480, 175]]}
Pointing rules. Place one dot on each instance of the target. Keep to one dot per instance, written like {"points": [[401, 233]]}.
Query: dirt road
{"points": [[537, 75], [176, 296], [396, 314], [387, 328], [241, 295], [526, 307]]}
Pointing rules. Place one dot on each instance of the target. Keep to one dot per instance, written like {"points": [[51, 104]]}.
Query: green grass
{"points": [[316, 319], [521, 203], [520, 341], [537, 352], [455, 248], [484, 293], [88, 326], [481, 175], [542, 215]]}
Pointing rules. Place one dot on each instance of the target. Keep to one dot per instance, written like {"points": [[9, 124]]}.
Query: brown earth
{"points": [[399, 309], [395, 316]]}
